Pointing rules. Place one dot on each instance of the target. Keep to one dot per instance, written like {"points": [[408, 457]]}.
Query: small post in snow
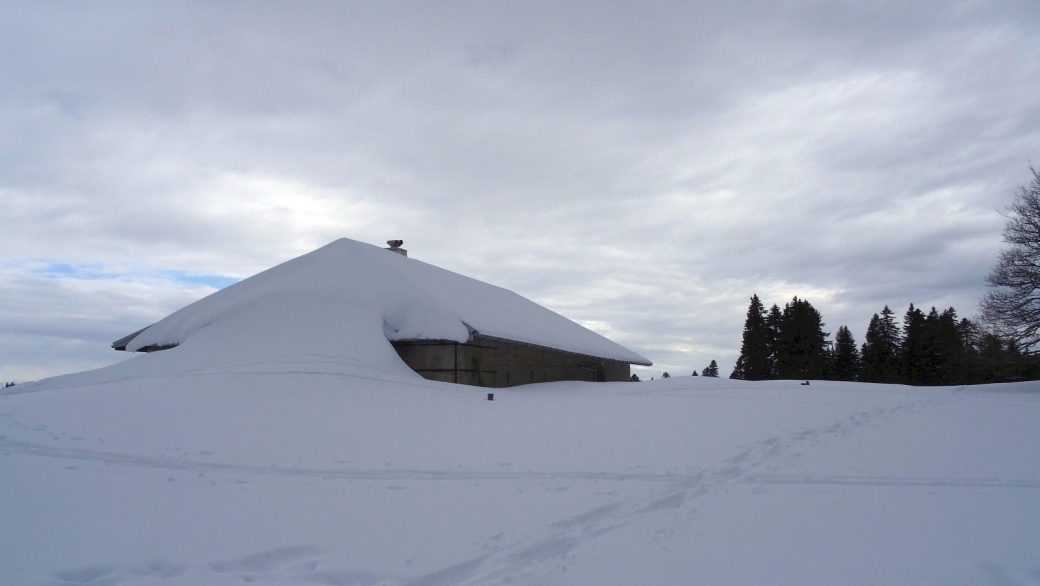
{"points": [[491, 396]]}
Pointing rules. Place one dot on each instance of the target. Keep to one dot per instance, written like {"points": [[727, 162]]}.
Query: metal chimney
{"points": [[395, 246]]}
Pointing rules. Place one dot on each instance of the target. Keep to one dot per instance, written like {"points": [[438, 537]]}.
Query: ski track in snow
{"points": [[534, 557]]}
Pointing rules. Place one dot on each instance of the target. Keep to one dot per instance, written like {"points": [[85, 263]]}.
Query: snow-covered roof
{"points": [[349, 297]]}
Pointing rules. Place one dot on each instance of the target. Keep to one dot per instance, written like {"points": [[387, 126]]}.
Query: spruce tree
{"points": [[880, 353], [933, 348], [738, 370], [990, 359], [711, 370], [998, 360], [801, 352], [773, 322], [915, 346], [754, 361], [975, 368], [947, 353], [870, 362], [845, 359]]}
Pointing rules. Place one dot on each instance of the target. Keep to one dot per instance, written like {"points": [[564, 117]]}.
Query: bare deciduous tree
{"points": [[1012, 306]]}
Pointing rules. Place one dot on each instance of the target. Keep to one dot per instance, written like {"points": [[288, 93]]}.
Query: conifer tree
{"points": [[711, 370], [978, 352], [914, 346], [738, 369], [947, 353], [845, 359], [933, 348], [994, 359], [801, 351], [869, 353], [754, 361], [773, 322], [880, 355]]}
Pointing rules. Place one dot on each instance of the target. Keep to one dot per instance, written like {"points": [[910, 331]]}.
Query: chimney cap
{"points": [[395, 247]]}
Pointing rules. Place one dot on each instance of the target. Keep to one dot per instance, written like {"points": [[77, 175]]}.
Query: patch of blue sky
{"points": [[58, 269], [94, 271], [215, 281]]}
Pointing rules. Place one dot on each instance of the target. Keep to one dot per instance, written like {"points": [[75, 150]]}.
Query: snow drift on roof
{"points": [[347, 299]]}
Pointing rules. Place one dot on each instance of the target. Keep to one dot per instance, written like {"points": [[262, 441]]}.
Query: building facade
{"points": [[495, 362]]}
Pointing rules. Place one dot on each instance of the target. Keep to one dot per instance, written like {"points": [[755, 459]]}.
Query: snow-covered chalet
{"points": [[350, 303]]}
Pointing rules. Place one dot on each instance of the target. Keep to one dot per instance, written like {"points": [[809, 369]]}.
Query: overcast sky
{"points": [[640, 167]]}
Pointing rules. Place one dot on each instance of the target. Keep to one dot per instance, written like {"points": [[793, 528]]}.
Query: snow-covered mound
{"points": [[335, 310], [328, 479]]}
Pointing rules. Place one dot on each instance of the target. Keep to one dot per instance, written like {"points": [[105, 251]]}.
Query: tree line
{"points": [[712, 370], [934, 348]]}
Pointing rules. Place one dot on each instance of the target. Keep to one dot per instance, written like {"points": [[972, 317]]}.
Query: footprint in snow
{"points": [[94, 575], [160, 569], [267, 561], [338, 578]]}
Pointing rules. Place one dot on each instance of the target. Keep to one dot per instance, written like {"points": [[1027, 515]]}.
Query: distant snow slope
{"points": [[279, 473], [338, 306]]}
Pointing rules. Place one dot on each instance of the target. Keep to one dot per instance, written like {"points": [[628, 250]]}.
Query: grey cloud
{"points": [[55, 324]]}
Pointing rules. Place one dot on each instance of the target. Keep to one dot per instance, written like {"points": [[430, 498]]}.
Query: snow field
{"points": [[276, 476]]}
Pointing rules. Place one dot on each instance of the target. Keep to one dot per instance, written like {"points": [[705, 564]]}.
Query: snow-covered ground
{"points": [[293, 473]]}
